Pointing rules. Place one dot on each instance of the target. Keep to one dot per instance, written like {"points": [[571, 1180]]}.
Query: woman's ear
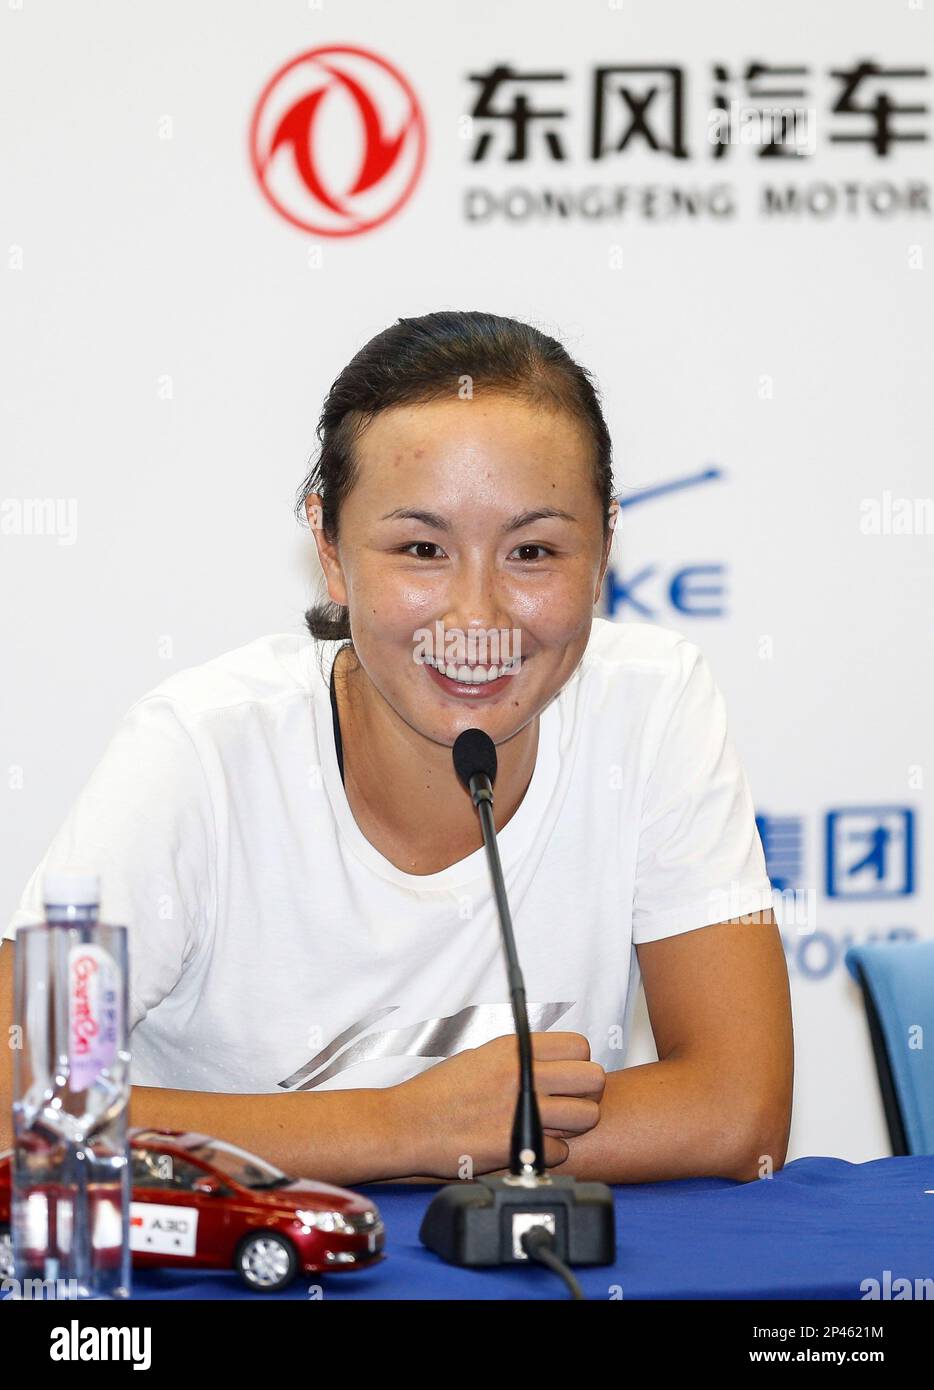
{"points": [[327, 550], [612, 517], [314, 510]]}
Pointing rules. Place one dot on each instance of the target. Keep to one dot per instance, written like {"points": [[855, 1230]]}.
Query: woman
{"points": [[303, 874]]}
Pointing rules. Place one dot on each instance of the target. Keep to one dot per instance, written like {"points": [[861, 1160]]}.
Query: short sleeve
{"points": [[144, 822], [700, 858]]}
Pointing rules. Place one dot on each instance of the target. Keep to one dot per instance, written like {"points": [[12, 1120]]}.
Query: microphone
{"points": [[494, 1221], [474, 754]]}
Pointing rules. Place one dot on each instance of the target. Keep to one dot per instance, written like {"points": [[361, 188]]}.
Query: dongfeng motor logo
{"points": [[337, 140]]}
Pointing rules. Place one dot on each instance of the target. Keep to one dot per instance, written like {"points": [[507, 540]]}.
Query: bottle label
{"points": [[94, 1022]]}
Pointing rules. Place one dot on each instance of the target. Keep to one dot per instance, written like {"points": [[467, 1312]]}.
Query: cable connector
{"points": [[538, 1242]]}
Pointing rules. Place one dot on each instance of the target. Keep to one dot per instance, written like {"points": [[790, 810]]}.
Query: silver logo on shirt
{"points": [[432, 1037]]}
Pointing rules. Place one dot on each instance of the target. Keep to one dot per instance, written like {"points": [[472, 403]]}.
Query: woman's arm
{"points": [[459, 1109], [345, 1137], [718, 1100]]}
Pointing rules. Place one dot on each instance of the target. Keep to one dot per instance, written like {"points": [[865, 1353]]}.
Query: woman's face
{"points": [[434, 539]]}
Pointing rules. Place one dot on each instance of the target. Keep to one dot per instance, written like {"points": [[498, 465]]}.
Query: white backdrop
{"points": [[170, 334]]}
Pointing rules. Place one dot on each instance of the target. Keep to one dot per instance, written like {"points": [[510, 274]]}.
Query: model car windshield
{"points": [[243, 1168]]}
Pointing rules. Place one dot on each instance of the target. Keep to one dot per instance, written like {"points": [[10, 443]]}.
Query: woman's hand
{"points": [[459, 1113]]}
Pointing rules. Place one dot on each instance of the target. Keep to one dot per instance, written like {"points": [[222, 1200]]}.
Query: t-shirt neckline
{"points": [[513, 839]]}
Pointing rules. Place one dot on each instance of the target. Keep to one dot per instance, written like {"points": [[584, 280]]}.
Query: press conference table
{"points": [[815, 1230]]}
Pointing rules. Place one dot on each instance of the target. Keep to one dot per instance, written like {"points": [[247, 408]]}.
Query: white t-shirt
{"points": [[273, 948]]}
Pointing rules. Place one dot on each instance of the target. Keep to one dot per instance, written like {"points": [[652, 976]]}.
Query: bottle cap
{"points": [[71, 888]]}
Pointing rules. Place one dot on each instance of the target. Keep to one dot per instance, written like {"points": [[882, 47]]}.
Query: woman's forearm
{"points": [[344, 1137], [658, 1121], [668, 1119]]}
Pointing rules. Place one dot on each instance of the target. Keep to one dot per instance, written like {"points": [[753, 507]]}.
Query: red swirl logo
{"points": [[337, 141]]}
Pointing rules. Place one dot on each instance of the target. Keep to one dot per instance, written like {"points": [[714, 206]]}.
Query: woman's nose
{"points": [[474, 598]]}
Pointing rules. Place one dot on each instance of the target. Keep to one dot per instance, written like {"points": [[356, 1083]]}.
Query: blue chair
{"points": [[897, 982]]}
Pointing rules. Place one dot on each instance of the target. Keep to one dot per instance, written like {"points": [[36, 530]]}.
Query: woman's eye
{"points": [[429, 545], [420, 547], [543, 548]]}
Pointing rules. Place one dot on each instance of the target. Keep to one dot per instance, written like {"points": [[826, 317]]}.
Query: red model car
{"points": [[203, 1202]]}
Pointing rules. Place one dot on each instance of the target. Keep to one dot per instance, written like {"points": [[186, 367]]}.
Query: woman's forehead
{"points": [[488, 410], [508, 436]]}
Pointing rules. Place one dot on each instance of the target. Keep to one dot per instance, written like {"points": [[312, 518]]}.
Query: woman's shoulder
{"points": [[632, 670], [267, 669], [633, 646], [637, 678]]}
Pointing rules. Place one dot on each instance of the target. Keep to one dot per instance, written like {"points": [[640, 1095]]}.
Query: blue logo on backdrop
{"points": [[819, 954], [783, 843], [870, 852], [695, 591], [869, 855]]}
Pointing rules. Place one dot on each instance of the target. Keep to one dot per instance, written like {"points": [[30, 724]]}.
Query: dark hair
{"points": [[425, 359]]}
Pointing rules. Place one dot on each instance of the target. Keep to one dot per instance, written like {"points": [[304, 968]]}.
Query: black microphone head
{"points": [[473, 752]]}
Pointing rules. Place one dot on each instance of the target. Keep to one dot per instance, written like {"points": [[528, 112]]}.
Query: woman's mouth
{"points": [[472, 682]]}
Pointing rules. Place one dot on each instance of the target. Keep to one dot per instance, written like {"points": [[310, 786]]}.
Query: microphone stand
{"points": [[486, 1221]]}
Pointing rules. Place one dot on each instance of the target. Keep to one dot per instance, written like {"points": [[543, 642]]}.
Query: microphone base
{"points": [[481, 1223]]}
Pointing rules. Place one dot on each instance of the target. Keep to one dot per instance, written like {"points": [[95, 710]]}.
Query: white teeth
{"points": [[470, 675]]}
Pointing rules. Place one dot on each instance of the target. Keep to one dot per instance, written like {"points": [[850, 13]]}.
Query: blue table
{"points": [[816, 1230]]}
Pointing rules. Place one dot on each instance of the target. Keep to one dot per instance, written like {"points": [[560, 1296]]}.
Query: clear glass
{"points": [[71, 1090]]}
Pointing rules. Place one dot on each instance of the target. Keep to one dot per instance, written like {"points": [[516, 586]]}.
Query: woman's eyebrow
{"points": [[440, 523]]}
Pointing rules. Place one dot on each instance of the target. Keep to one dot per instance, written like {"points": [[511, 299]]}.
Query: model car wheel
{"points": [[6, 1253], [266, 1261]]}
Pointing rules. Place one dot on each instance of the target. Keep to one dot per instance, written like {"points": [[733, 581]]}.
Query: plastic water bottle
{"points": [[71, 1090]]}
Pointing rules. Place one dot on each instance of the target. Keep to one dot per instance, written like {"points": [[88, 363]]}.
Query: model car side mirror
{"points": [[207, 1186]]}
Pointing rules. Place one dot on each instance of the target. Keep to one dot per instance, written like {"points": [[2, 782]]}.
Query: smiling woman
{"points": [[465, 553], [303, 875]]}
